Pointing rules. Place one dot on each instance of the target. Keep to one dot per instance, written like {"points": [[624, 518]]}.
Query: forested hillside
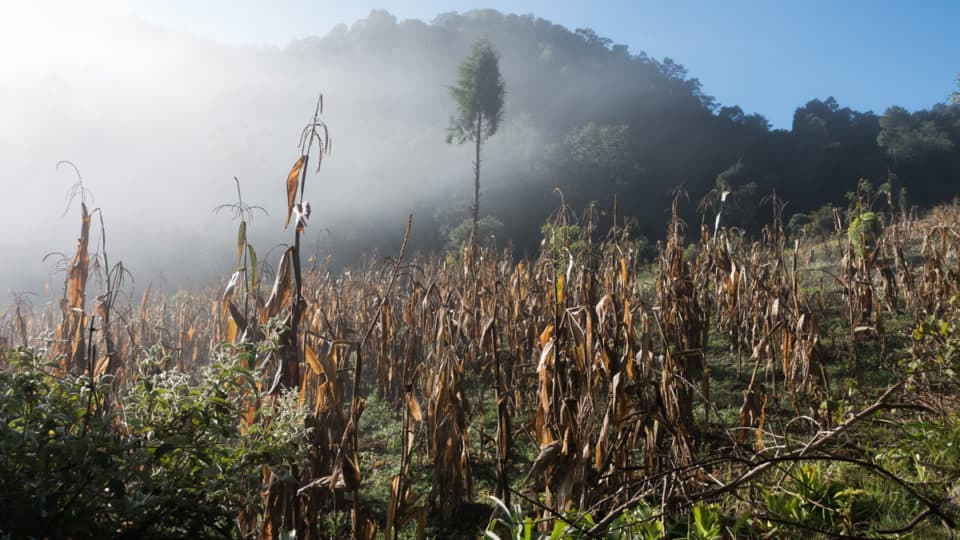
{"points": [[600, 121]]}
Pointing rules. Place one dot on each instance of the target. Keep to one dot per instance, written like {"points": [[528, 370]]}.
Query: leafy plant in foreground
{"points": [[173, 462]]}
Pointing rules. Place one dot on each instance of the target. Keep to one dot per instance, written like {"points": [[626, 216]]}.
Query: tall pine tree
{"points": [[479, 99]]}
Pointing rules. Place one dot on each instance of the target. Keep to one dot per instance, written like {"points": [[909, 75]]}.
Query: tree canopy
{"points": [[479, 93]]}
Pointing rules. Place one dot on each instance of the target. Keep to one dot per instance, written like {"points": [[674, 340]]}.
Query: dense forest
{"points": [[601, 122]]}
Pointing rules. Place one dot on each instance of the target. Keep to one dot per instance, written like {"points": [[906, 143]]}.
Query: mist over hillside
{"points": [[160, 122]]}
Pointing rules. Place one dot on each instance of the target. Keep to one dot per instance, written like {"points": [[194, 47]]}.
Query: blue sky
{"points": [[766, 56]]}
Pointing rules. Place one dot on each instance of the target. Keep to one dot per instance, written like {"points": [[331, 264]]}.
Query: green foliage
{"points": [[799, 223], [936, 345], [173, 461], [605, 151], [478, 94], [865, 227], [910, 136], [706, 522], [56, 454], [558, 240], [927, 446], [486, 227], [814, 500], [512, 520], [449, 216], [740, 196], [864, 232], [817, 223], [733, 175], [638, 523]]}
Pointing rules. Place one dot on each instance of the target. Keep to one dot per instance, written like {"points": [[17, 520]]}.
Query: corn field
{"points": [[580, 385]]}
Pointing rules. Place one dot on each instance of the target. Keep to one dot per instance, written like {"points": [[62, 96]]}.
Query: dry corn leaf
{"points": [[282, 290], [368, 530], [392, 507], [232, 331], [545, 335], [487, 334], [310, 355], [80, 263], [415, 411], [293, 180], [237, 317], [231, 285], [548, 455]]}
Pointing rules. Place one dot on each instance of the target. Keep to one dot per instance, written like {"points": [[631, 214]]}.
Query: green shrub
{"points": [[172, 461], [865, 231], [486, 227], [558, 239], [817, 223], [935, 352]]}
